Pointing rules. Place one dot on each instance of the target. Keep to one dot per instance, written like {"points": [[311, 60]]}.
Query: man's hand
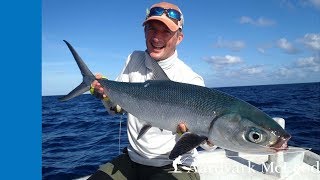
{"points": [[182, 128], [98, 89]]}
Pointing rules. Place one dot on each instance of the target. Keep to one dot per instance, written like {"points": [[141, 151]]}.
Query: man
{"points": [[147, 158]]}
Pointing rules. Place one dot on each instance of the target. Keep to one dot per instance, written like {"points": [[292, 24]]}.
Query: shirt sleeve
{"points": [[124, 75], [198, 80]]}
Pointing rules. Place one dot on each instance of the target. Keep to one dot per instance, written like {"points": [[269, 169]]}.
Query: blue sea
{"points": [[79, 135]]}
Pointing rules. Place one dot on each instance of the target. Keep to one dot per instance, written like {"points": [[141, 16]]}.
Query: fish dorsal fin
{"points": [[186, 143], [143, 130], [158, 72]]}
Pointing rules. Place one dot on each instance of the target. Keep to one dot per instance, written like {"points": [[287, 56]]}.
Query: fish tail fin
{"points": [[88, 77]]}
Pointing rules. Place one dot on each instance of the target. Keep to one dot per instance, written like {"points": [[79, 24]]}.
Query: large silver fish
{"points": [[209, 114]]}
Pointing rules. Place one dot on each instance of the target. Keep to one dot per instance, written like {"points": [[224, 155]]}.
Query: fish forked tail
{"points": [[88, 77]]}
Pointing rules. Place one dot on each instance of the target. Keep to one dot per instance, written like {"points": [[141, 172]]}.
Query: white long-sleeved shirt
{"points": [[154, 147]]}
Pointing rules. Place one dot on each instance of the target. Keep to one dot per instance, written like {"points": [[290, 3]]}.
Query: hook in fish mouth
{"points": [[281, 144]]}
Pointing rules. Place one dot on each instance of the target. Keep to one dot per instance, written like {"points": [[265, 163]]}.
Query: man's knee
{"points": [[118, 168], [114, 171], [99, 175]]}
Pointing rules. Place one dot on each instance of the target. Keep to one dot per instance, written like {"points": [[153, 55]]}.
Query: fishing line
{"points": [[119, 143]]}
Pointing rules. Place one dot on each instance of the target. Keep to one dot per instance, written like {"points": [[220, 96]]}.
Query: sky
{"points": [[229, 43]]}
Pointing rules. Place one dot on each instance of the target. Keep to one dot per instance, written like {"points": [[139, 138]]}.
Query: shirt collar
{"points": [[164, 64]]}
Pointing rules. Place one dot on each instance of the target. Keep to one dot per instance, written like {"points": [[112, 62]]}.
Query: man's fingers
{"points": [[97, 86], [100, 89], [182, 128], [209, 143], [94, 83], [98, 76]]}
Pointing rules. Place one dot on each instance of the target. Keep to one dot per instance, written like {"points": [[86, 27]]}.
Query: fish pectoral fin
{"points": [[187, 142], [143, 130]]}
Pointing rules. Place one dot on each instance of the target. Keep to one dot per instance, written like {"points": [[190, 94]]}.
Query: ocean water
{"points": [[79, 135]]}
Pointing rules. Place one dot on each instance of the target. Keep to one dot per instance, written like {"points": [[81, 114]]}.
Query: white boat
{"points": [[295, 164]]}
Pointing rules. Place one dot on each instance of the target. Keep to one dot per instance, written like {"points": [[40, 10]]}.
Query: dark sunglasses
{"points": [[171, 13]]}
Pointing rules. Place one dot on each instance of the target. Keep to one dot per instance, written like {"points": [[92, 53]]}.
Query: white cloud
{"points": [[312, 41], [218, 61], [258, 22], [286, 46], [310, 63], [246, 20], [252, 70], [264, 22], [292, 4], [261, 50], [303, 69], [288, 4], [284, 72], [314, 3], [232, 45], [246, 71]]}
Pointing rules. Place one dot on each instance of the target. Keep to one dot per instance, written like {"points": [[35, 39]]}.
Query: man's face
{"points": [[161, 42]]}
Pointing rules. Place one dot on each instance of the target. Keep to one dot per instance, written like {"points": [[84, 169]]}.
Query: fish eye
{"points": [[255, 135]]}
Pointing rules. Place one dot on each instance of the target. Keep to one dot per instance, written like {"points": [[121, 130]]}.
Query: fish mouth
{"points": [[281, 144]]}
